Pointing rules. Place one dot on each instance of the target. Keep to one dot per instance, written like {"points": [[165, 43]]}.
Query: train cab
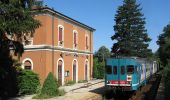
{"points": [[122, 74]]}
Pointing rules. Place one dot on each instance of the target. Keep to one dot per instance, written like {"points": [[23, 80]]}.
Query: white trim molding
{"points": [[27, 59], [60, 59], [76, 69]]}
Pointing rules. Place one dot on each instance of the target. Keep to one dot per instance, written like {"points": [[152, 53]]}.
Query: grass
{"points": [[40, 96], [69, 83], [82, 81]]}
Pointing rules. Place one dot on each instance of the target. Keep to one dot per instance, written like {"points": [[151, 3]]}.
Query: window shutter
{"points": [[86, 42], [75, 37], [60, 33]]}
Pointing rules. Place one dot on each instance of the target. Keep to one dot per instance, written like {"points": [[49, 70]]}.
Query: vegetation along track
{"points": [[147, 92]]}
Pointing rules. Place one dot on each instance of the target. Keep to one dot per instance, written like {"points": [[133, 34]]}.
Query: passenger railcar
{"points": [[128, 74]]}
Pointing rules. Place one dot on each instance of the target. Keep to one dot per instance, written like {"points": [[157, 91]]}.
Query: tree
{"points": [[49, 87], [98, 69], [102, 53], [130, 32], [164, 45], [17, 25]]}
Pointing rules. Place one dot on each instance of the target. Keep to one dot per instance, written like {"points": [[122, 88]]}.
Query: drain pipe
{"points": [[53, 42]]}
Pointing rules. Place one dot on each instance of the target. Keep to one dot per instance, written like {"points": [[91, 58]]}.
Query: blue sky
{"points": [[99, 14]]}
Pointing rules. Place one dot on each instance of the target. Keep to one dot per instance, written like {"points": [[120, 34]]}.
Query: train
{"points": [[128, 73]]}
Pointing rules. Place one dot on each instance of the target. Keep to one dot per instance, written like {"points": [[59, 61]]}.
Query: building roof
{"points": [[65, 17]]}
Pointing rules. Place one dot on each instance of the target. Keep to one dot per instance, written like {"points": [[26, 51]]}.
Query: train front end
{"points": [[121, 74]]}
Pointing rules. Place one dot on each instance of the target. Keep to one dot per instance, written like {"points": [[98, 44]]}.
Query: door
{"points": [[74, 71], [60, 72], [115, 69], [122, 70], [86, 65]]}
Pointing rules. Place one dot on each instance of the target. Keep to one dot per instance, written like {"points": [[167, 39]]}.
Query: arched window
{"points": [[27, 64]]}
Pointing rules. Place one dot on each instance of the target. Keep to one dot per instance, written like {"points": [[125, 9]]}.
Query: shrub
{"points": [[70, 83], [61, 92], [28, 81], [49, 87], [82, 81], [166, 76]]}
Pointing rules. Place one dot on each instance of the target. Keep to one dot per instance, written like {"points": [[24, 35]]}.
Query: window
{"points": [[109, 69], [75, 39], [115, 70], [60, 35], [27, 39], [130, 69], [122, 70], [27, 65], [87, 42]]}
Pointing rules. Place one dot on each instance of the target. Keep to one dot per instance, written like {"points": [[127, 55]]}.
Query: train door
{"points": [[115, 69], [122, 70]]}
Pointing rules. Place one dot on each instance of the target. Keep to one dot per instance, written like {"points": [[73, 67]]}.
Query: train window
{"points": [[115, 70], [109, 69], [122, 70], [130, 69]]}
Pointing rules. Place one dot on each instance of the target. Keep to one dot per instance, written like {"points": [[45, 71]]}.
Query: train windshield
{"points": [[130, 69], [109, 69]]}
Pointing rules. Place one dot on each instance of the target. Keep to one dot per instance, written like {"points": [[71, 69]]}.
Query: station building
{"points": [[61, 45]]}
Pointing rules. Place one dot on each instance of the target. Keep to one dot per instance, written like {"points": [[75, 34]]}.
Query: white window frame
{"points": [[86, 35], [59, 44], [27, 59], [75, 48]]}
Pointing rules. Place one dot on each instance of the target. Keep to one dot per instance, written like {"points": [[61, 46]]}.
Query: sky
{"points": [[100, 14]]}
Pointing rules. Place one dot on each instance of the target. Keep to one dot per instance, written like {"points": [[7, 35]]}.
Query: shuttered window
{"points": [[60, 34], [86, 42]]}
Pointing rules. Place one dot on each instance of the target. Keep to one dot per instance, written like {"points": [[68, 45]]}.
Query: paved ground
{"points": [[160, 93], [80, 91]]}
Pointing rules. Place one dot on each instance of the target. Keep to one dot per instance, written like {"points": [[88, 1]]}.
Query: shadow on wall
{"points": [[8, 72]]}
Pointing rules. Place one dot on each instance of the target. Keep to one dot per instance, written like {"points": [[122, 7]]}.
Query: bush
{"points": [[61, 92], [49, 87], [28, 81], [166, 77], [82, 81], [70, 83]]}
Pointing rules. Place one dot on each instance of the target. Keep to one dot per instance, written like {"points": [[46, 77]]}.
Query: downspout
{"points": [[53, 43], [91, 74]]}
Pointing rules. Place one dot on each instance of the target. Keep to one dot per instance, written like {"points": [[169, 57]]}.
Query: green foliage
{"points": [[82, 81], [98, 69], [28, 82], [16, 21], [130, 32], [164, 45], [17, 25], [166, 77], [61, 92], [49, 87], [70, 82], [102, 53]]}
